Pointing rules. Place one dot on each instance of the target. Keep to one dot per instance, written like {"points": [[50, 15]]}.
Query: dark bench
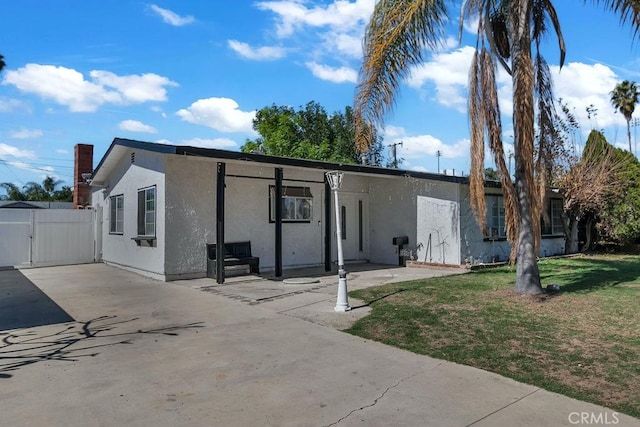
{"points": [[236, 253]]}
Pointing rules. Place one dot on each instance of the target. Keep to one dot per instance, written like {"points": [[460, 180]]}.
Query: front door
{"points": [[354, 218]]}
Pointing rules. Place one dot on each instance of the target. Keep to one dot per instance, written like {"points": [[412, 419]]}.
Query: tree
{"points": [[309, 133], [589, 186], [33, 191], [508, 33], [2, 63], [624, 99]]}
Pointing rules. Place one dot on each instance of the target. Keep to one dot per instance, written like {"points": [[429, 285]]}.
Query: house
{"points": [[161, 207]]}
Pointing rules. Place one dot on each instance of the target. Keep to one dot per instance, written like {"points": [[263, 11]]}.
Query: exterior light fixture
{"points": [[334, 178]]}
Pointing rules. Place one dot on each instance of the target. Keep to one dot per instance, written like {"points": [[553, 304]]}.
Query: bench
{"points": [[236, 253]]}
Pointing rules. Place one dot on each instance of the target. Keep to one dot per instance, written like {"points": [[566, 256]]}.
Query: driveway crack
{"points": [[376, 400]]}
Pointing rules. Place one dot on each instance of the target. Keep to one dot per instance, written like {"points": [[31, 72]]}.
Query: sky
{"points": [[193, 72]]}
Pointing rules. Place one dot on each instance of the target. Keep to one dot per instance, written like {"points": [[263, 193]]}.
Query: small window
{"points": [[147, 212], [557, 227], [297, 204], [495, 218], [116, 217]]}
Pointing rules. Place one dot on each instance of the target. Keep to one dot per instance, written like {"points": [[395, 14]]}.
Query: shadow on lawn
{"points": [[588, 274], [73, 341]]}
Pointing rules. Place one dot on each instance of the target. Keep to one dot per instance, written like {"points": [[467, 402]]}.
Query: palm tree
{"points": [[509, 33], [2, 63], [624, 99], [33, 191]]}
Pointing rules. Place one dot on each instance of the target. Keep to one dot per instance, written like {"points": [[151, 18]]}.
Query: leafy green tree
{"points": [[509, 33], [33, 191], [619, 220], [13, 192], [309, 133], [624, 98]]}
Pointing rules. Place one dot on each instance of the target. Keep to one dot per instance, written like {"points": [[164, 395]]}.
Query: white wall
{"points": [[394, 212], [191, 214], [127, 178], [438, 231]]}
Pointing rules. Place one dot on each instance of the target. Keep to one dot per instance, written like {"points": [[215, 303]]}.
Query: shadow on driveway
{"points": [[24, 305]]}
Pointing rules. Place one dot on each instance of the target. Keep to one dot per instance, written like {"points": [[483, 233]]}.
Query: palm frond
{"points": [[628, 10], [395, 39], [477, 126]]}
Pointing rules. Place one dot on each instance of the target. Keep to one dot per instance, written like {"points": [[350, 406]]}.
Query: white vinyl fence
{"points": [[46, 237]]}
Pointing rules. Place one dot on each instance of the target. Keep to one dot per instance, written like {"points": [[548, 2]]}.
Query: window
{"points": [[555, 214], [147, 212], [297, 204], [495, 218], [116, 220]]}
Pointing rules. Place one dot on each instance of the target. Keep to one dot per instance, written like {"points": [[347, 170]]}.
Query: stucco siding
{"points": [[475, 249], [394, 212], [191, 214], [145, 169]]}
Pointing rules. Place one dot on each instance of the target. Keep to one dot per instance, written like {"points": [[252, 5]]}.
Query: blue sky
{"points": [[194, 72]]}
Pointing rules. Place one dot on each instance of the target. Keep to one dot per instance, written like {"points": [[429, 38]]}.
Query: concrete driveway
{"points": [[146, 353]]}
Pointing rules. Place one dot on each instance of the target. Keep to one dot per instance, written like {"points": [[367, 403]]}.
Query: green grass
{"points": [[583, 342]]}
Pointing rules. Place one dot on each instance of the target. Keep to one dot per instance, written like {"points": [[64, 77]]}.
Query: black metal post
{"points": [[327, 226], [278, 230], [220, 184]]}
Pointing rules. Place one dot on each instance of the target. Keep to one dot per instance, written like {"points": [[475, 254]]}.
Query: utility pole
{"points": [[394, 154], [438, 155]]}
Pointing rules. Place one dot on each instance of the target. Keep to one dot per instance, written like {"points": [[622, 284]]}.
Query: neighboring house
{"points": [[160, 206], [11, 204]]}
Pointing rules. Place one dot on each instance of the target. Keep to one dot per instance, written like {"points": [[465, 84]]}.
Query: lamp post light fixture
{"points": [[334, 178]]}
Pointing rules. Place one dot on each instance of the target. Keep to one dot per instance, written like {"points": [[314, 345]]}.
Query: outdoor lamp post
{"points": [[342, 303]]}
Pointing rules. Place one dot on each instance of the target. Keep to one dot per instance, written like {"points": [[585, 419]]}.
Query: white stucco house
{"points": [[160, 206]]}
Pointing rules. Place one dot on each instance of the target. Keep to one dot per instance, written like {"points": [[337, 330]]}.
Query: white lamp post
{"points": [[342, 303]]}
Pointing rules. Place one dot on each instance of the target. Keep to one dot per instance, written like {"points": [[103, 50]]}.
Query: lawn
{"points": [[583, 342]]}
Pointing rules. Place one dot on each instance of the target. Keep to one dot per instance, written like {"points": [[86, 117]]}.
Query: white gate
{"points": [[45, 237]]}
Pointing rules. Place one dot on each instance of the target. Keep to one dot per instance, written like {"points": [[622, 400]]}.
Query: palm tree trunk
{"points": [[527, 273]]}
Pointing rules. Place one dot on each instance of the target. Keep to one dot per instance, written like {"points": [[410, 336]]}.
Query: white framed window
{"points": [[297, 204], [147, 212], [116, 216], [496, 228]]}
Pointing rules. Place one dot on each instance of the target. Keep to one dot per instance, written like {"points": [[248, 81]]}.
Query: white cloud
{"points": [[341, 15], [222, 114], [172, 18], [347, 44], [581, 85], [449, 73], [135, 88], [11, 151], [264, 53], [62, 151], [424, 145], [333, 74], [24, 133], [68, 87], [136, 126]]}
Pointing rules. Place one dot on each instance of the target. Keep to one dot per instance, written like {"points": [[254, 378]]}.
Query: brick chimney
{"points": [[83, 163]]}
